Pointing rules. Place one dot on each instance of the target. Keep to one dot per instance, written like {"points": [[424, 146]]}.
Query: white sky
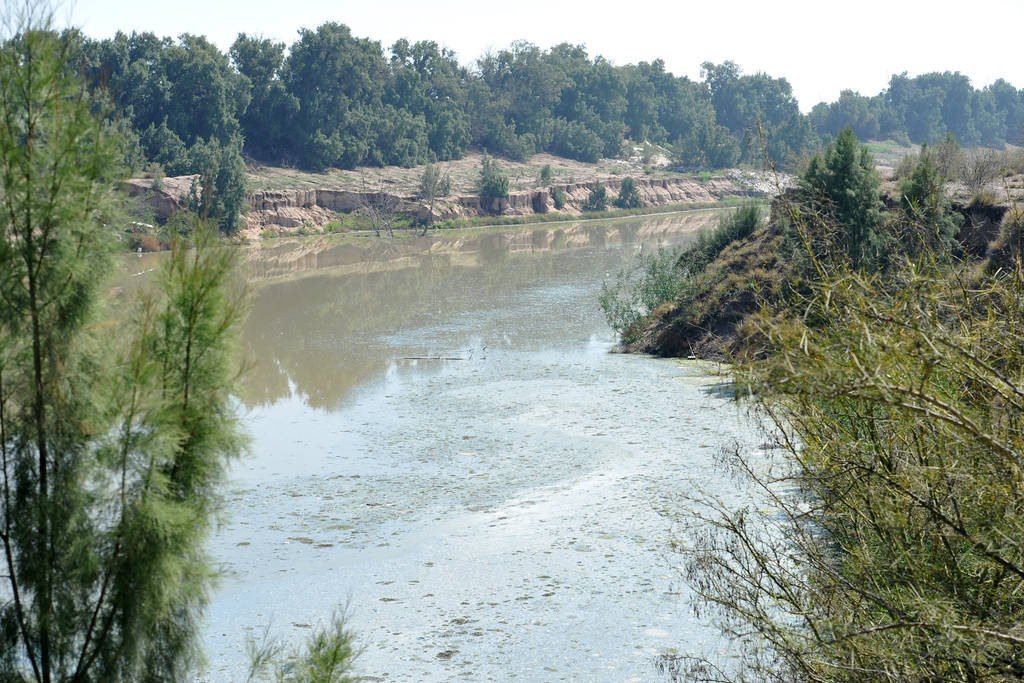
{"points": [[820, 46]]}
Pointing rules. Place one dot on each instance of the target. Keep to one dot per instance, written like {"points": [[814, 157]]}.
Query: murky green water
{"points": [[442, 441]]}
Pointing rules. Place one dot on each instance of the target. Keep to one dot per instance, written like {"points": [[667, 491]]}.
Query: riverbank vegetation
{"points": [[349, 101], [883, 351], [335, 100], [116, 427], [883, 540], [676, 276], [109, 453]]}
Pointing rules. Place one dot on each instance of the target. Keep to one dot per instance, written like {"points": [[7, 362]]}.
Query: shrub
{"points": [[739, 224], [597, 200], [558, 196], [928, 224], [1012, 161], [1008, 247], [327, 656], [149, 242], [629, 197], [218, 193], [545, 174], [842, 188], [906, 165], [882, 537], [434, 183], [984, 198], [492, 183], [980, 168], [636, 292], [948, 158], [158, 177]]}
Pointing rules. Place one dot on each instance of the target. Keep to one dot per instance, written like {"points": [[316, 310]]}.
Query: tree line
{"points": [[926, 108], [334, 99]]}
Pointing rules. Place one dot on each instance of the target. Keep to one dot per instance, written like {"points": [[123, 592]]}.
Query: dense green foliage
{"points": [[218, 192], [558, 197], [113, 433], [334, 99], [929, 225], [879, 538], [629, 196], [882, 534], [493, 183], [597, 200], [927, 107], [842, 188], [758, 110], [873, 534], [183, 100]]}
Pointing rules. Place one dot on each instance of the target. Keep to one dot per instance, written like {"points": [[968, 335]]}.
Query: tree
{"points": [[928, 225], [338, 81], [842, 187], [265, 121], [427, 81], [629, 197], [751, 104], [980, 168], [597, 200], [188, 85], [218, 193], [110, 451], [558, 197], [380, 206], [493, 184], [948, 158], [708, 145], [545, 174]]}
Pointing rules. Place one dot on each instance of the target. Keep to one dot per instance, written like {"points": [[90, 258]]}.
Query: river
{"points": [[442, 445]]}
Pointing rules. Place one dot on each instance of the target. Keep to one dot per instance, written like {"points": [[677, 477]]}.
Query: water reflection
{"points": [[518, 489], [329, 317]]}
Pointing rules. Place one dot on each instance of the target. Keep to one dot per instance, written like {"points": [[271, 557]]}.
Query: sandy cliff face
{"points": [[288, 210]]}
